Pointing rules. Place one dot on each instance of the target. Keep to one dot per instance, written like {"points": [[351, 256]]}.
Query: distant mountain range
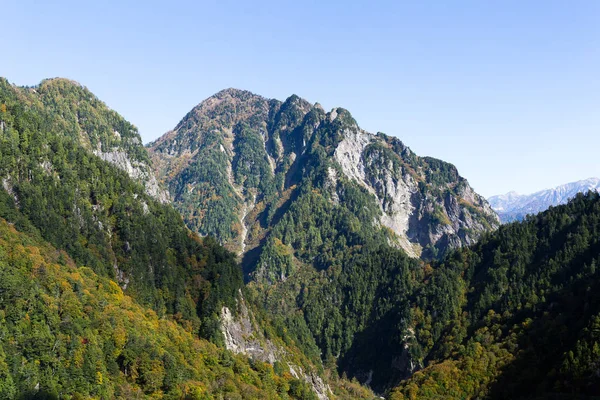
{"points": [[514, 207]]}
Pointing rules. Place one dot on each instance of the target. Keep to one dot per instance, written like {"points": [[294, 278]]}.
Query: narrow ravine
{"points": [[245, 211]]}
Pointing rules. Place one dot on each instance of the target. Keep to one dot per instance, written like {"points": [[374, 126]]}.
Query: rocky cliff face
{"points": [[139, 171], [232, 154], [243, 335], [422, 200]]}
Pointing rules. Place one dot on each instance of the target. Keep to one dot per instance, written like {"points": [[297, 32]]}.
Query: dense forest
{"points": [[517, 315], [55, 186], [68, 333], [514, 316]]}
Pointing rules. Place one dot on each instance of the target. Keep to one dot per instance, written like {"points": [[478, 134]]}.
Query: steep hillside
{"points": [[77, 114], [516, 316], [76, 173], [514, 207], [69, 333], [363, 260]]}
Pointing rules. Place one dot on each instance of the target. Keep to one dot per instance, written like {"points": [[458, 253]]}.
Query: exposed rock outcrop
{"points": [[424, 211], [243, 336], [141, 172]]}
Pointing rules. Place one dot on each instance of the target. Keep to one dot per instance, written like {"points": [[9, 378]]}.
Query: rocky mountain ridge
{"points": [[258, 148]]}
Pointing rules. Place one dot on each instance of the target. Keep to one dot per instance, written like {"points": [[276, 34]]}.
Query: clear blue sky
{"points": [[508, 91]]}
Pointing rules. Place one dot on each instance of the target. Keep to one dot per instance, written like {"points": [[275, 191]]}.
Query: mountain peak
{"points": [[342, 116], [592, 180], [60, 83], [234, 93], [296, 102], [234, 154]]}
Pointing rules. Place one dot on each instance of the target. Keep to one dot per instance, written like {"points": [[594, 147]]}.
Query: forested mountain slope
{"points": [[58, 180], [105, 293], [324, 215], [68, 333], [517, 315]]}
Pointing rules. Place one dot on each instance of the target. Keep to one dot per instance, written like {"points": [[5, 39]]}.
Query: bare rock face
{"points": [[8, 186], [392, 194], [321, 389], [242, 335], [139, 171], [424, 201]]}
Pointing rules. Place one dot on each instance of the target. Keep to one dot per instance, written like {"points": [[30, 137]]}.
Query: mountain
{"points": [[516, 316], [237, 162], [513, 206], [76, 173], [361, 260], [329, 220]]}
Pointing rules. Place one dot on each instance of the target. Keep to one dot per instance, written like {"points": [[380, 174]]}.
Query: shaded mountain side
{"points": [[517, 315]]}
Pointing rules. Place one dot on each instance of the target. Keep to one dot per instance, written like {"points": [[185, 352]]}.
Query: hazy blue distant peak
{"points": [[513, 206], [500, 201]]}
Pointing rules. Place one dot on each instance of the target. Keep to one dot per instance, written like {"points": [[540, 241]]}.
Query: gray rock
{"points": [[243, 336], [136, 170]]}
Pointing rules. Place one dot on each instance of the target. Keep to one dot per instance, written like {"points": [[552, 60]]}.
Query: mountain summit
{"points": [[236, 163]]}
